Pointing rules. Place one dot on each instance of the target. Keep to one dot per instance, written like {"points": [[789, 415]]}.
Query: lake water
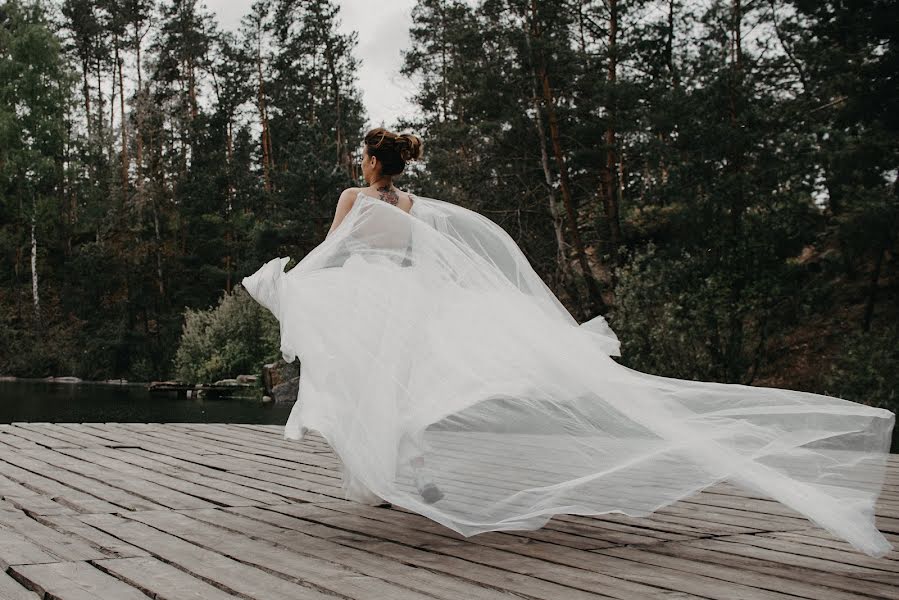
{"points": [[53, 402], [44, 401]]}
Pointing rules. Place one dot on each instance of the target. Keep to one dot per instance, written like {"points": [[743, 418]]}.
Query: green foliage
{"points": [[867, 368], [25, 351], [681, 316], [235, 337]]}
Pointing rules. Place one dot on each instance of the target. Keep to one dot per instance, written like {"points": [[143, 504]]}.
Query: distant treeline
{"points": [[717, 177]]}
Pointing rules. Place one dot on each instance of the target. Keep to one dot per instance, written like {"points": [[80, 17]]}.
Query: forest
{"points": [[717, 177]]}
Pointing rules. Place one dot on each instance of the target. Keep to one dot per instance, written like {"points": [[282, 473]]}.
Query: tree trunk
{"points": [[230, 206], [593, 291], [158, 237], [99, 104], [139, 114], [192, 88], [608, 185], [85, 89], [125, 161], [564, 275], [115, 59], [34, 282], [263, 117]]}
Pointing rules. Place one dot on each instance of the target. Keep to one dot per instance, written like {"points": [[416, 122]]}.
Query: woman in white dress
{"points": [[450, 380]]}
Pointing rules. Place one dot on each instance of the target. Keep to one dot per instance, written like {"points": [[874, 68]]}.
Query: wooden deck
{"points": [[206, 511]]}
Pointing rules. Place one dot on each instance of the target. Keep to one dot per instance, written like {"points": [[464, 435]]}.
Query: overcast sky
{"points": [[383, 31]]}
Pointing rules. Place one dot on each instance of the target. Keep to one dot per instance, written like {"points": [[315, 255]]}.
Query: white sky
{"points": [[385, 93]]}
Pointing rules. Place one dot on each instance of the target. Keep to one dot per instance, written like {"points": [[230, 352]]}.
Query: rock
{"points": [[266, 399], [277, 373], [287, 391], [246, 379], [66, 379], [226, 382]]}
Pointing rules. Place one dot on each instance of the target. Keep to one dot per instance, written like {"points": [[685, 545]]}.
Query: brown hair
{"points": [[393, 150]]}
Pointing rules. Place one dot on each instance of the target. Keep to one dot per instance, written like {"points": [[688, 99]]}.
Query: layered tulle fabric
{"points": [[427, 338]]}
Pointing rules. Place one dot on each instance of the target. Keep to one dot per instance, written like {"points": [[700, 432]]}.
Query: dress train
{"points": [[451, 381]]}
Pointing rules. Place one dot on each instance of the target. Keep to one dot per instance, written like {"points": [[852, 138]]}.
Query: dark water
{"points": [[43, 401], [53, 402]]}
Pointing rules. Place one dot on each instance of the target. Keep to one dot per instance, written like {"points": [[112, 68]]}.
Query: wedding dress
{"points": [[451, 381]]}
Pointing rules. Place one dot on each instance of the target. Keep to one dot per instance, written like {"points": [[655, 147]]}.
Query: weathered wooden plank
{"points": [[193, 475], [741, 547], [16, 549], [39, 505], [10, 589], [696, 584], [820, 537], [136, 486], [634, 525], [7, 438], [206, 564], [523, 584], [10, 487], [558, 564], [5, 505], [321, 573], [846, 558], [287, 492], [74, 581], [802, 583], [82, 493], [11, 442], [296, 455], [131, 441], [235, 436], [64, 435], [196, 488], [436, 584], [110, 545], [729, 516], [81, 433], [39, 438], [200, 447], [160, 580], [63, 546], [769, 565], [177, 444]]}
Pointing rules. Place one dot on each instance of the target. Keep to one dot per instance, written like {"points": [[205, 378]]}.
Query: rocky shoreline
{"points": [[280, 382]]}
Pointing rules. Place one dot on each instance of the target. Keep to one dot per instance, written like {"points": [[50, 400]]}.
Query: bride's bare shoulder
{"points": [[352, 191], [348, 196]]}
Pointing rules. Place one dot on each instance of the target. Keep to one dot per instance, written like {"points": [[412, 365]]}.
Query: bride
{"points": [[451, 381]]}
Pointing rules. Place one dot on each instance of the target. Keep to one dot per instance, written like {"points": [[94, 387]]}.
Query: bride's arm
{"points": [[344, 204]]}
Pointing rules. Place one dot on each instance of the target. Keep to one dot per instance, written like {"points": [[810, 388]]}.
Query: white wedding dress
{"points": [[451, 381]]}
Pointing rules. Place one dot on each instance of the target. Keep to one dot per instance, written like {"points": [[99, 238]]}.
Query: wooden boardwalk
{"points": [[206, 511]]}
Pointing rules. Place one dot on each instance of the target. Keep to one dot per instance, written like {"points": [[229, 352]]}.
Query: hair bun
{"points": [[409, 146]]}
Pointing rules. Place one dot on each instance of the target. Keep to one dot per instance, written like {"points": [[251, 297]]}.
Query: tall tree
{"points": [[33, 108]]}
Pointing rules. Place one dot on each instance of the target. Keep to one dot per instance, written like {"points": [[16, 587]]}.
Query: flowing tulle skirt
{"points": [[518, 414]]}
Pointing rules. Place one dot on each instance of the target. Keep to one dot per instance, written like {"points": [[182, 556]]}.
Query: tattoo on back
{"points": [[388, 195]]}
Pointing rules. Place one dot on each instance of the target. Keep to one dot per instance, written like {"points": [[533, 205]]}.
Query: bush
{"points": [[233, 338], [867, 369], [697, 316]]}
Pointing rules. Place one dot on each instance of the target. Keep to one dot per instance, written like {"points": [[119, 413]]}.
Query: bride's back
{"points": [[397, 197]]}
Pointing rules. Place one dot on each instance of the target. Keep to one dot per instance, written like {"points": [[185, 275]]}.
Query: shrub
{"points": [[867, 368], [235, 337]]}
